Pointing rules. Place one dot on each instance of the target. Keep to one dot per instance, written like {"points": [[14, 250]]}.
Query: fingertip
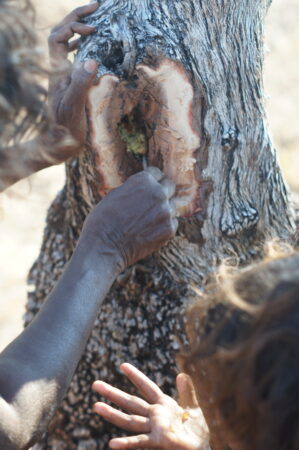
{"points": [[92, 6], [186, 391], [183, 375], [178, 379], [183, 386], [128, 368], [96, 384], [155, 172], [115, 444], [186, 378], [179, 376], [125, 365], [101, 408], [182, 379], [101, 387], [169, 187], [93, 408], [90, 66]]}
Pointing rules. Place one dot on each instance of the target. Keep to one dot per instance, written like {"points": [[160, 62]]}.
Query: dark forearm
{"points": [[36, 369], [17, 162], [54, 146], [131, 222]]}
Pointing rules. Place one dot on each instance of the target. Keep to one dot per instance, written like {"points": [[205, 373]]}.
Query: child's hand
{"points": [[158, 422]]}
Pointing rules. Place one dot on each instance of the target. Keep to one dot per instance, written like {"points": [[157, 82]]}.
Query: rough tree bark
{"points": [[181, 84]]}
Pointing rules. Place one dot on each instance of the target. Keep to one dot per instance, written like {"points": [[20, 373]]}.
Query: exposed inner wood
{"points": [[163, 97]]}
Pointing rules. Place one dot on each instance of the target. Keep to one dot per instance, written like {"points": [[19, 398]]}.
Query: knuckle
{"points": [[153, 409], [110, 414], [161, 195], [169, 229], [131, 419], [165, 211], [171, 186], [79, 11], [73, 27], [140, 179], [55, 29], [131, 398], [145, 176], [136, 176]]}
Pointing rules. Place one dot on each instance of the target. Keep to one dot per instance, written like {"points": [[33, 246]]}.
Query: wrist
{"points": [[96, 251]]}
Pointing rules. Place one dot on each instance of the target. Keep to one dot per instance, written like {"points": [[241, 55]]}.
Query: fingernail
{"points": [[90, 66], [98, 408], [115, 445]]}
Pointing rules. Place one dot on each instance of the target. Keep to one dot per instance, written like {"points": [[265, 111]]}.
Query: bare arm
{"points": [[36, 369], [68, 89], [21, 161]]}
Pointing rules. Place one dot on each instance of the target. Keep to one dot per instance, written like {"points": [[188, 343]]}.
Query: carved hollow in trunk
{"points": [[161, 99]]}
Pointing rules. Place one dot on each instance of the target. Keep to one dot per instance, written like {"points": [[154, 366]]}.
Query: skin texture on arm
{"points": [[158, 421], [21, 161], [36, 369], [69, 85]]}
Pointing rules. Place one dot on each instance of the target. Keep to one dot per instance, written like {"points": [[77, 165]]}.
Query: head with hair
{"points": [[244, 361], [22, 98]]}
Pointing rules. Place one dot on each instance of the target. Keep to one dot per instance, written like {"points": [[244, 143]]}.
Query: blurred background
{"points": [[23, 208]]}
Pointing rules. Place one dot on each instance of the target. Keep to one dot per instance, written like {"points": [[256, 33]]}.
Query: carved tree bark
{"points": [[180, 82]]}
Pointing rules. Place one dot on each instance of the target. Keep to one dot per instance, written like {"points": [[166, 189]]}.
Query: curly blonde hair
{"points": [[244, 361]]}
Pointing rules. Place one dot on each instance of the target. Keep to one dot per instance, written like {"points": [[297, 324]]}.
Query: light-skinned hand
{"points": [[157, 420]]}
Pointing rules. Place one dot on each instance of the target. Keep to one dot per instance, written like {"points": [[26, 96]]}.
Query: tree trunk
{"points": [[180, 87]]}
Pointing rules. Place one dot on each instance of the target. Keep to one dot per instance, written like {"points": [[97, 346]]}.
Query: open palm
{"points": [[158, 421]]}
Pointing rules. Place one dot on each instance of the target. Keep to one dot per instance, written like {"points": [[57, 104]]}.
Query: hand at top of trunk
{"points": [[135, 219], [69, 84]]}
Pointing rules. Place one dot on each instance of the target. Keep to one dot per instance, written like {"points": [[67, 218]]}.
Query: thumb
{"points": [[186, 391], [83, 77]]}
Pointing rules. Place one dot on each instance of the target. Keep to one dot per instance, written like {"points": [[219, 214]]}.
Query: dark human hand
{"points": [[135, 219], [157, 420], [69, 84]]}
